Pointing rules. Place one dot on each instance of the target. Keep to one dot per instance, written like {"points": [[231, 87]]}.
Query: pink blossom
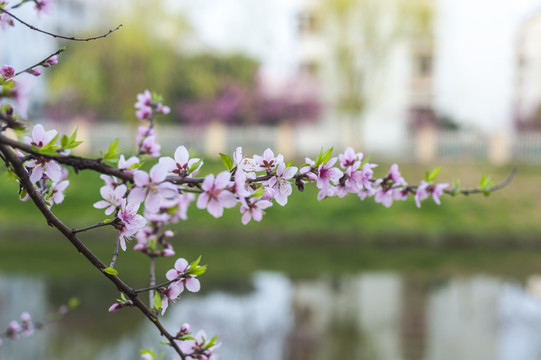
{"points": [[198, 348], [143, 132], [162, 109], [13, 330], [58, 191], [119, 305], [172, 292], [40, 137], [53, 60], [150, 187], [181, 164], [128, 165], [252, 208], [245, 164], [242, 187], [132, 222], [43, 6], [350, 159], [27, 325], [50, 168], [112, 198], [150, 146], [184, 280], [110, 181], [425, 189], [144, 113], [280, 183], [215, 196], [143, 100], [5, 19], [268, 162], [7, 72]]}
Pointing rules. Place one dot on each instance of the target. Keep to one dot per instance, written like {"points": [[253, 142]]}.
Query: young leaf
{"points": [[196, 165], [157, 301], [194, 264], [326, 156], [432, 175], [110, 271], [73, 303], [226, 159], [259, 192]]}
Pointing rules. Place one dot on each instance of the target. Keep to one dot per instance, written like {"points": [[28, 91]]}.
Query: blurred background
{"points": [[425, 83]]}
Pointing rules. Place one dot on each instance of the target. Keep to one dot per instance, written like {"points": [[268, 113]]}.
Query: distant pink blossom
{"points": [[425, 189], [43, 6], [150, 146], [5, 19]]}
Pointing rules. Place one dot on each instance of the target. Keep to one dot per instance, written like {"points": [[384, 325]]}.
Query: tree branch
{"points": [[72, 38], [68, 233]]}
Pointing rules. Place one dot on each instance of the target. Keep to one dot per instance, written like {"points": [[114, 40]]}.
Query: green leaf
{"points": [[196, 165], [110, 271], [157, 301], [432, 175], [145, 352], [64, 142], [211, 342], [123, 297], [289, 164], [326, 156], [200, 270], [194, 264], [226, 159], [112, 152], [259, 192], [366, 160], [323, 157], [73, 303]]}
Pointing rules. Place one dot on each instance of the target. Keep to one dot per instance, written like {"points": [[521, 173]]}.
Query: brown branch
{"points": [[485, 190], [57, 52], [69, 234], [72, 38]]}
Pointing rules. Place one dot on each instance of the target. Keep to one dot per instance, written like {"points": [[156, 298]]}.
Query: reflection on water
{"points": [[374, 316]]}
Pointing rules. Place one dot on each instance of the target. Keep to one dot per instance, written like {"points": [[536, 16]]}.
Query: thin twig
{"points": [[152, 279], [72, 38], [115, 252], [104, 223], [42, 61], [486, 189]]}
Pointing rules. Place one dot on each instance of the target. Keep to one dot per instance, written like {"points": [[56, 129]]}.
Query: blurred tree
{"points": [[363, 35], [102, 78]]}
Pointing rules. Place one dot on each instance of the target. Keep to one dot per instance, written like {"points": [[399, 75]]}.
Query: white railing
{"points": [[425, 145]]}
